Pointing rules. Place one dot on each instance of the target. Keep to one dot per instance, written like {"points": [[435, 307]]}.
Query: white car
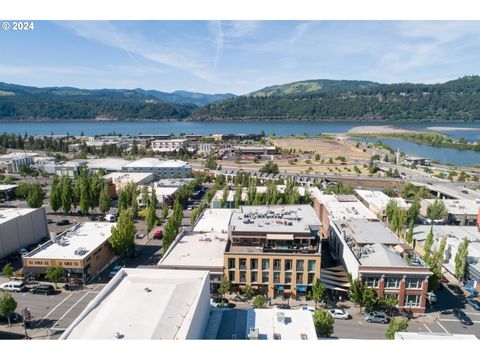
{"points": [[339, 314], [14, 286]]}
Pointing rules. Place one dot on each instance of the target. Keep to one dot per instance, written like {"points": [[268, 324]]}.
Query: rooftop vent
{"points": [[253, 334], [118, 335], [281, 317], [147, 289]]}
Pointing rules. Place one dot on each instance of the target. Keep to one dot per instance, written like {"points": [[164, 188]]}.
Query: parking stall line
{"points": [[56, 307], [446, 331], [71, 307], [426, 327]]}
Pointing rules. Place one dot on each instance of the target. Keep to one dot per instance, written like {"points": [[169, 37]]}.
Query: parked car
{"points": [[158, 234], [309, 308], [22, 252], [376, 317], [460, 315], [63, 222], [115, 270], [431, 297], [339, 314], [43, 289], [474, 303], [283, 306], [455, 289], [394, 312], [49, 221], [13, 286], [110, 217]]}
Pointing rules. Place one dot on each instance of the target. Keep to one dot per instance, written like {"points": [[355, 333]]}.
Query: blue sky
{"points": [[238, 56]]}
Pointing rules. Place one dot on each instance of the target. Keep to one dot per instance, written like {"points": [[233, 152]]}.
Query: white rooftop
{"points": [[343, 207], [215, 220], [76, 243], [154, 162], [126, 177], [458, 207], [197, 250], [276, 324], [110, 164], [17, 155], [379, 199], [12, 213], [142, 304], [275, 219]]}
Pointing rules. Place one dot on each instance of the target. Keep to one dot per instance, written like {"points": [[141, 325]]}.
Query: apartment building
{"points": [[377, 202], [373, 253], [12, 162], [163, 146], [274, 249]]}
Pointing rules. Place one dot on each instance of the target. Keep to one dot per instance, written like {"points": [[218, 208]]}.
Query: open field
{"points": [[326, 148]]}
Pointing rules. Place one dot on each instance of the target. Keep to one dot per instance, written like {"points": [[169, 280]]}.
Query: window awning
{"points": [[280, 287], [301, 287], [280, 237]]}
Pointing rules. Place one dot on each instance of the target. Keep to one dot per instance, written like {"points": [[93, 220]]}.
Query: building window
{"points": [[243, 264], [231, 263], [312, 265], [253, 264], [392, 283], [299, 278], [276, 277], [391, 296], [253, 277], [311, 278], [288, 278], [265, 277], [412, 300], [243, 277], [300, 265], [372, 282], [414, 283], [231, 276], [265, 264], [288, 265], [277, 264]]}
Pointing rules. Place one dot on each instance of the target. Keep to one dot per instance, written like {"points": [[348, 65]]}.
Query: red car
{"points": [[158, 234]]}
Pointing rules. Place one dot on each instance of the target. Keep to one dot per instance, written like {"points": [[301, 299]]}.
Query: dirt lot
{"points": [[326, 148]]}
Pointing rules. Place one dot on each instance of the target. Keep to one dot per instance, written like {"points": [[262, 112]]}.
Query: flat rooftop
{"points": [[380, 200], [197, 250], [110, 164], [451, 189], [142, 304], [275, 219], [76, 243], [126, 177], [10, 214], [343, 207], [155, 163], [214, 220], [275, 324], [458, 207], [367, 232]]}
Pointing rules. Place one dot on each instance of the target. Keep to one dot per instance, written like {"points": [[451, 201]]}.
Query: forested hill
{"points": [[19, 102], [336, 100]]}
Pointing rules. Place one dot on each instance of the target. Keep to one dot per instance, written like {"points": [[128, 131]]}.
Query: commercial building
{"points": [[121, 179], [372, 252], [144, 304], [108, 164], [83, 251], [70, 168], [161, 168], [12, 162], [459, 212], [255, 150], [275, 324], [203, 248], [377, 201], [162, 146], [454, 235], [328, 207], [274, 249], [414, 160], [20, 228]]}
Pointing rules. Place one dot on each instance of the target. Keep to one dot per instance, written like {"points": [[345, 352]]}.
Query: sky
{"points": [[236, 56]]}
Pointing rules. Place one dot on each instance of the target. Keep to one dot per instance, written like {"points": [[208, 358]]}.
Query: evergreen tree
{"points": [[145, 198], [427, 247], [409, 238], [66, 194], [323, 322], [151, 218], [104, 199], [461, 259], [55, 194], [437, 210], [35, 196]]}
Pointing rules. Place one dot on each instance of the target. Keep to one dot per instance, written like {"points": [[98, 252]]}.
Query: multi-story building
{"points": [[83, 251], [70, 168], [377, 201], [20, 228], [372, 252], [169, 145], [161, 168], [119, 180], [13, 162], [459, 211], [274, 249]]}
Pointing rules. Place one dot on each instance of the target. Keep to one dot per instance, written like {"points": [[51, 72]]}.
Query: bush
{"points": [[259, 302]]}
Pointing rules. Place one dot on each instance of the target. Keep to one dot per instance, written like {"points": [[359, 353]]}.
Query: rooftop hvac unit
{"points": [[281, 317], [253, 334]]}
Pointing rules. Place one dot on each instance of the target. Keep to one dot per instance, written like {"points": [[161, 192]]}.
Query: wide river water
{"points": [[269, 127]]}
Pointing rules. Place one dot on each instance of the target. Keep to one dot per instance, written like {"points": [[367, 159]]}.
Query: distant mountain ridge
{"points": [[320, 100]]}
